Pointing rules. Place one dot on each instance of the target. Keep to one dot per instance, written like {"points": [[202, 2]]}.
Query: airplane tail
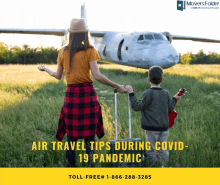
{"points": [[83, 13]]}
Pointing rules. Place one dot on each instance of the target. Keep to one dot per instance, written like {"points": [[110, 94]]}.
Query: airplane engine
{"points": [[168, 36]]}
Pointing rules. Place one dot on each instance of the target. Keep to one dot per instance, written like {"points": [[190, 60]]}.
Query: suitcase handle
{"points": [[129, 116]]}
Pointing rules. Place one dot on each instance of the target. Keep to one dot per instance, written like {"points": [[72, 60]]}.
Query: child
{"points": [[154, 106]]}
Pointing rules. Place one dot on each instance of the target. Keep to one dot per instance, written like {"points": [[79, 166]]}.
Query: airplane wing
{"points": [[97, 33], [57, 32], [61, 32], [180, 37]]}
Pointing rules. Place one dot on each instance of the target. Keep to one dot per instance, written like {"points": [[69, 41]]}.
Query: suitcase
{"points": [[117, 146]]}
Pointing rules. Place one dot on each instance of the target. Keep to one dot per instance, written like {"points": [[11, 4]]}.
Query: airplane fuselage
{"points": [[139, 49]]}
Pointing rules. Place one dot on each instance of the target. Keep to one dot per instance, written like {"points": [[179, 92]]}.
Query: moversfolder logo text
{"points": [[181, 5]]}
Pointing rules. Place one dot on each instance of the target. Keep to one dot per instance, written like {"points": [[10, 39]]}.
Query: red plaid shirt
{"points": [[81, 115]]}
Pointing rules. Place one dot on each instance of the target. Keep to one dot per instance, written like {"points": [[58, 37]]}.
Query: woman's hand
{"points": [[57, 74], [121, 89], [42, 68]]}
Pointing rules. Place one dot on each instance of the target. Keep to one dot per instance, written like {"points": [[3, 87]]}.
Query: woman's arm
{"points": [[57, 74], [103, 79]]}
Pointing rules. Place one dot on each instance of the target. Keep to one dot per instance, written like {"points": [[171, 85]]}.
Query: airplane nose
{"points": [[173, 58], [164, 55]]}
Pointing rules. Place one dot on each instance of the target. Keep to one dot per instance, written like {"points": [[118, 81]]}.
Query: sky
{"points": [[110, 15]]}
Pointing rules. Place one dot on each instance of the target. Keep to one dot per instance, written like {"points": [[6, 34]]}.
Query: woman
{"points": [[81, 115]]}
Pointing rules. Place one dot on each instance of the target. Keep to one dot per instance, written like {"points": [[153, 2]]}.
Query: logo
{"points": [[181, 5]]}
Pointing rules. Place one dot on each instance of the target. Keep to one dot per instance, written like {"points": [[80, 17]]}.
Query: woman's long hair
{"points": [[77, 42]]}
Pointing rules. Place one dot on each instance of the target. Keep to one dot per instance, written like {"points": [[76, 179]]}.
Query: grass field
{"points": [[30, 103]]}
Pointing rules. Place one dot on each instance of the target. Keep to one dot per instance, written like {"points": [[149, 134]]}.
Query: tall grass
{"points": [[30, 103]]}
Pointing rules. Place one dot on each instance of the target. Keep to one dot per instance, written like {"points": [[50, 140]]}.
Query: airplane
{"points": [[137, 49]]}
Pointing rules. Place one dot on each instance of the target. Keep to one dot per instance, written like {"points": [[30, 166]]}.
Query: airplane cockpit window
{"points": [[149, 37], [141, 37], [159, 36]]}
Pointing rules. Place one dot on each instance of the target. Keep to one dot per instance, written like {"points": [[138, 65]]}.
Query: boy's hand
{"points": [[129, 89], [177, 97]]}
